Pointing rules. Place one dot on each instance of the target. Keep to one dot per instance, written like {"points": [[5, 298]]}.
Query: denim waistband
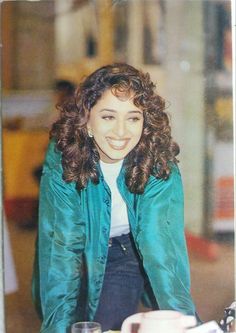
{"points": [[119, 240]]}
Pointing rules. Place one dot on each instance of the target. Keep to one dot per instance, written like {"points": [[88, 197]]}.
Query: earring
{"points": [[90, 134]]}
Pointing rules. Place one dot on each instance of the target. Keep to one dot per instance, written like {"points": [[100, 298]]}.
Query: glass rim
{"points": [[87, 324]]}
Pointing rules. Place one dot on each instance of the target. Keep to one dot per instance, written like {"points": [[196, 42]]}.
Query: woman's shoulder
{"points": [[53, 156], [53, 170], [157, 182]]}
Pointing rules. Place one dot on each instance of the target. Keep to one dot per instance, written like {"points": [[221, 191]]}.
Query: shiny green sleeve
{"points": [[61, 242], [162, 242]]}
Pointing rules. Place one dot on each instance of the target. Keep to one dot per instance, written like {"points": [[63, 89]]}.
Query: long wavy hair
{"points": [[155, 152]]}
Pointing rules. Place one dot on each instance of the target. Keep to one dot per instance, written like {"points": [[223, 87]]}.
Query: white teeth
{"points": [[118, 143]]}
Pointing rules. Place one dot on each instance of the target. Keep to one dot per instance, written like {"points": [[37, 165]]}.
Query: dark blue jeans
{"points": [[122, 286]]}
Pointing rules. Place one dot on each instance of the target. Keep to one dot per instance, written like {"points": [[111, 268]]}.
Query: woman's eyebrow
{"points": [[136, 111], [112, 110]]}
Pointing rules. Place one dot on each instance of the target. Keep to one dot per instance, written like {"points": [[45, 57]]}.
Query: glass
{"points": [[86, 327]]}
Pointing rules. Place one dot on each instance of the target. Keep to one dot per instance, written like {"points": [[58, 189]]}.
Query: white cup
{"points": [[161, 321]]}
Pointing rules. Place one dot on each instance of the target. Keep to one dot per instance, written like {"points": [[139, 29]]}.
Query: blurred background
{"points": [[186, 46]]}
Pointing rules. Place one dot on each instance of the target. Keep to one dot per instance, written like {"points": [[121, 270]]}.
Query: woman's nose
{"points": [[119, 128]]}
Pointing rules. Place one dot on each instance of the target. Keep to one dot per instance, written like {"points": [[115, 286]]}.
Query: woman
{"points": [[111, 225]]}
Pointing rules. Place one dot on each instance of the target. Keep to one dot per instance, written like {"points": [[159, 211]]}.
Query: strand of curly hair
{"points": [[156, 148]]}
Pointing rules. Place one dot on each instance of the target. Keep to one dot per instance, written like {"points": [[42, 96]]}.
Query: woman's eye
{"points": [[108, 117], [134, 119]]}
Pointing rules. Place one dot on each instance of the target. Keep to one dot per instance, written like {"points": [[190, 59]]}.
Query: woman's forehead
{"points": [[109, 101]]}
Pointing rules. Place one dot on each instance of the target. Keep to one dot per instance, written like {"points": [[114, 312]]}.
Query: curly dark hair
{"points": [[154, 153]]}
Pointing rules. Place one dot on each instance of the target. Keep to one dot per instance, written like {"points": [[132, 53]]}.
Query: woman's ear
{"points": [[89, 130]]}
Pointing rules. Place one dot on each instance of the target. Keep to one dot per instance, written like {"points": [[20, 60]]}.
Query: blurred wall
{"points": [[28, 44], [185, 90]]}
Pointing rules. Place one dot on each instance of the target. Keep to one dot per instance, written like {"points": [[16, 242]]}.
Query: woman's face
{"points": [[116, 126]]}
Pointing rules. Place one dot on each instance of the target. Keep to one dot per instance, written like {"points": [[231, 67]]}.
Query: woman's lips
{"points": [[117, 144]]}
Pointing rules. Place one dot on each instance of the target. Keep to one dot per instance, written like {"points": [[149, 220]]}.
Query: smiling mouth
{"points": [[117, 144]]}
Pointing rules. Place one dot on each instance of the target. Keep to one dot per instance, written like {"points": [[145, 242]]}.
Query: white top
{"points": [[119, 216]]}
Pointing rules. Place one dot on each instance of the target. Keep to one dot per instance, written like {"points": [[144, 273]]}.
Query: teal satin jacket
{"points": [[72, 245]]}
